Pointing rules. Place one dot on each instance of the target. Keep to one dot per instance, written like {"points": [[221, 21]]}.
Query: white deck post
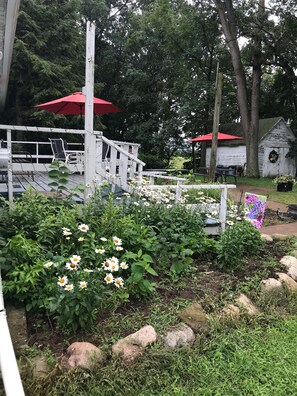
{"points": [[90, 137], [9, 168], [8, 364], [223, 207]]}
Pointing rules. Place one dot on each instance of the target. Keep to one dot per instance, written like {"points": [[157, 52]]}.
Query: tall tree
{"points": [[269, 47], [248, 107], [48, 59]]}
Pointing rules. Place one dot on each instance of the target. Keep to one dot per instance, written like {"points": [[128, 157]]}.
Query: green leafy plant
{"points": [[140, 267], [59, 173], [240, 240], [284, 179]]}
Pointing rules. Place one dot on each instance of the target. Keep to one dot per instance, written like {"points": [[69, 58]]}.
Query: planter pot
{"points": [[283, 187]]}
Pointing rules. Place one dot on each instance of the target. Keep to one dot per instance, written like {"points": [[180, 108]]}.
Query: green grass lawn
{"points": [[287, 198], [267, 188], [232, 362]]}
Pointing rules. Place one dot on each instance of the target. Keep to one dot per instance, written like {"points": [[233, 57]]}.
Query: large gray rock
{"points": [[270, 284], [266, 238], [288, 261], [40, 367], [231, 311], [244, 302], [292, 272], [17, 323], [287, 281], [195, 317], [280, 237], [182, 335], [132, 346], [84, 355]]}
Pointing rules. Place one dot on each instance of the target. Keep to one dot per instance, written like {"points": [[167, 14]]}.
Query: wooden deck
{"points": [[40, 181]]}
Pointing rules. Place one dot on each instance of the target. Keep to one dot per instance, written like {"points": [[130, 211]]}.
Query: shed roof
{"points": [[265, 126]]}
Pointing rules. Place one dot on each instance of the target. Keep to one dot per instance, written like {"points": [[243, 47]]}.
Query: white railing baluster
{"points": [[223, 208]]}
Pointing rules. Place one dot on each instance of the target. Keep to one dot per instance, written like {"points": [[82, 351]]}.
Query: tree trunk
{"points": [[249, 119]]}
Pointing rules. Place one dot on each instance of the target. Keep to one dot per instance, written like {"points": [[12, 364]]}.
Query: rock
{"points": [[231, 311], [266, 237], [288, 261], [195, 317], [84, 355], [132, 346], [280, 237], [294, 253], [244, 302], [287, 281], [292, 272], [40, 367], [182, 335], [270, 284], [17, 323]]}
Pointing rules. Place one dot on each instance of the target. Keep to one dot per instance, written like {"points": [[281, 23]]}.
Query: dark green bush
{"points": [[237, 242]]}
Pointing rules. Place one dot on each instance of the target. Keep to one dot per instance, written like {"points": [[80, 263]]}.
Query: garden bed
{"points": [[204, 282]]}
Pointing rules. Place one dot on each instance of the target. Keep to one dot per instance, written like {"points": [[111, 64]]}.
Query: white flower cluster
{"points": [[111, 264]]}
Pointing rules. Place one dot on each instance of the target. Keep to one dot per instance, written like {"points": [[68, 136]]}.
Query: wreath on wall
{"points": [[273, 156]]}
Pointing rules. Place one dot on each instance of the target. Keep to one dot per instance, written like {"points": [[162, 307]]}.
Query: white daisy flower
{"points": [[83, 284], [62, 280], [119, 248], [238, 218], [83, 228], [88, 270], [66, 232], [229, 222], [114, 260], [124, 265], [81, 239], [114, 267], [117, 241], [72, 266], [48, 264], [103, 239], [108, 278], [119, 282], [75, 259], [69, 287], [100, 251], [106, 265]]}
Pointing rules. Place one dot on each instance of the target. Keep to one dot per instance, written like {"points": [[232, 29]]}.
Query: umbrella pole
{"points": [[90, 137]]}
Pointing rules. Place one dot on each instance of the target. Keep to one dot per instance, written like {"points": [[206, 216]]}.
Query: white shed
{"points": [[274, 143]]}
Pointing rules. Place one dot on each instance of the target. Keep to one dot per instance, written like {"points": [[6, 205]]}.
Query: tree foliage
{"points": [[157, 61]]}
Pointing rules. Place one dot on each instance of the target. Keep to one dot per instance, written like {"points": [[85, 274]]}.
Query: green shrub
{"points": [[238, 241], [153, 161], [179, 230]]}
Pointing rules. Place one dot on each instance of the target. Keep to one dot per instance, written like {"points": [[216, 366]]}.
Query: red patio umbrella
{"points": [[75, 104], [208, 137]]}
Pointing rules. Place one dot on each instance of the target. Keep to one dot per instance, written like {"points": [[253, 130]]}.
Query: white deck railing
{"points": [[180, 187], [115, 161]]}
